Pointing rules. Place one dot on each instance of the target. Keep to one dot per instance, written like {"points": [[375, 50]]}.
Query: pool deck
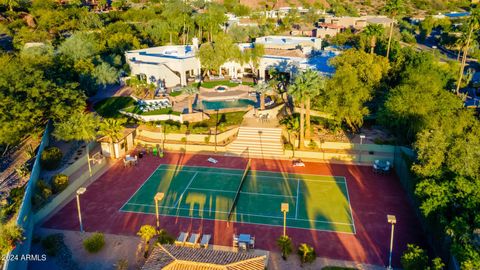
{"points": [[236, 92]]}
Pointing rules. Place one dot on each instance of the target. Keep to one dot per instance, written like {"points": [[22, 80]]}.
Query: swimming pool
{"points": [[225, 104]]}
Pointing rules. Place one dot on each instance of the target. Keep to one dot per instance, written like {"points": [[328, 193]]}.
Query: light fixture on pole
{"points": [[284, 209], [392, 220], [362, 137], [80, 191], [158, 197]]}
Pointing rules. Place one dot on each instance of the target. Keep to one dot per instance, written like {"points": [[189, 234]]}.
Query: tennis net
{"points": [[247, 169]]}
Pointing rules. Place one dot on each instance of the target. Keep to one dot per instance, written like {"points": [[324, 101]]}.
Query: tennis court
{"points": [[315, 202]]}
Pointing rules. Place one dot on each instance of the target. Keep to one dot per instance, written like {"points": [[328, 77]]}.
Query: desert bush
{"points": [[10, 235], [52, 244], [122, 264], [164, 238], [285, 245], [59, 183], [306, 253], [51, 158], [94, 243]]}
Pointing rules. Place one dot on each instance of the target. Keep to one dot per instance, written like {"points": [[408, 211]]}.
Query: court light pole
{"points": [[216, 130], [392, 220], [80, 191], [284, 209], [362, 137], [158, 197]]}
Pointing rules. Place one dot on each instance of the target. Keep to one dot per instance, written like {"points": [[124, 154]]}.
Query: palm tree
{"points": [[191, 91], [373, 31], [473, 26], [460, 44], [262, 88], [306, 253], [298, 92], [285, 245], [79, 127], [393, 8], [147, 232], [306, 86], [292, 124], [112, 129], [316, 84]]}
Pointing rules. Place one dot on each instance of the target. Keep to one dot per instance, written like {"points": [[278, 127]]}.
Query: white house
{"points": [[173, 65], [176, 65]]}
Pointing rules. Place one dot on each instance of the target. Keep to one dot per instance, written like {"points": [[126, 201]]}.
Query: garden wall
{"points": [[198, 138], [76, 180], [150, 118], [25, 218]]}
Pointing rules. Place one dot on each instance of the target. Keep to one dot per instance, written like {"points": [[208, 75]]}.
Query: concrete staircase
{"points": [[257, 142]]}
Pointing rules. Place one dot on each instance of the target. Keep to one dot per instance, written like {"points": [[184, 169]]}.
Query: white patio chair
{"points": [[193, 240], [205, 240], [181, 239]]}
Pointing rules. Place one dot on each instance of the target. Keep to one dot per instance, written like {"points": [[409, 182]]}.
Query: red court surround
{"points": [[372, 197]]}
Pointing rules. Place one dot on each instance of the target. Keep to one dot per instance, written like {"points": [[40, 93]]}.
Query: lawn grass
{"points": [[110, 107], [213, 84], [176, 93], [225, 122], [136, 110]]}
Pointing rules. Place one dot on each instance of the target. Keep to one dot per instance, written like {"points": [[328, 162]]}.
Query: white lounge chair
{"points": [[205, 240], [193, 240], [181, 239], [212, 160]]}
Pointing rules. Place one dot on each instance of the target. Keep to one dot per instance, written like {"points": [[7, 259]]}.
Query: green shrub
{"points": [[164, 238], [416, 258], [43, 189], [51, 158], [94, 243], [306, 253], [10, 235], [122, 264], [59, 183], [285, 245], [312, 145], [52, 244]]}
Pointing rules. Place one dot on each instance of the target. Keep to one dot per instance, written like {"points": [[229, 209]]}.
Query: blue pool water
{"points": [[225, 104]]}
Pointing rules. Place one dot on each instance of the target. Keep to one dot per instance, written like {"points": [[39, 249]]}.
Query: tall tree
{"points": [[392, 8], [112, 129], [292, 124], [357, 77], [79, 127], [262, 88], [299, 90], [473, 26], [317, 85], [10, 4], [373, 31], [191, 91]]}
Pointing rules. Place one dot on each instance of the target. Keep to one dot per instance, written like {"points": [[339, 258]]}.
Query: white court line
{"points": [[249, 222], [272, 177], [242, 192], [189, 183], [350, 205], [138, 189], [298, 195], [277, 172], [253, 215]]}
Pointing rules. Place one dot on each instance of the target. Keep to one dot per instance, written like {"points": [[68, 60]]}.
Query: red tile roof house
{"points": [[170, 257]]}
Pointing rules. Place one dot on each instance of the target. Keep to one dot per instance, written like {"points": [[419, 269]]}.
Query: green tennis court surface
{"points": [[315, 202]]}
